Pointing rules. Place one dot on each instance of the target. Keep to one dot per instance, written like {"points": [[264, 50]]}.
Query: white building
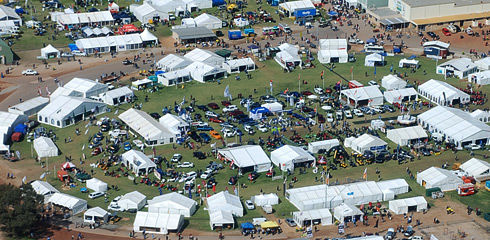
{"points": [[405, 205], [347, 213], [203, 72], [442, 93], [95, 215], [175, 124], [64, 111], [160, 223], [459, 67], [408, 63], [138, 162], [96, 185], [483, 64], [288, 157], [29, 107], [44, 189], [45, 147], [289, 8], [132, 201], [320, 216], [50, 52], [362, 96], [173, 62], [147, 127], [80, 87], [8, 121], [205, 56], [365, 142], [288, 56], [333, 51], [437, 177], [74, 204], [480, 78], [401, 95], [117, 96], [374, 59], [479, 169], [224, 201], [314, 147], [8, 14], [455, 125], [392, 82], [246, 158], [239, 65], [407, 135], [172, 203]]}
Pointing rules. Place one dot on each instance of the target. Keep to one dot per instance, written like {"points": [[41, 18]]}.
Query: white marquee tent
{"points": [[479, 169], [117, 96], [273, 107], [174, 124], [392, 82], [160, 223], [393, 187], [483, 64], [96, 185], [405, 205], [50, 52], [313, 197], [147, 127], [173, 62], [173, 203], [64, 111], [333, 50], [96, 214], [204, 72], [288, 157], [438, 177], [360, 192], [406, 136], [138, 162], [288, 55], [146, 12], [247, 157], [314, 147], [45, 147], [221, 218], [442, 93], [362, 96], [74, 204], [305, 218], [374, 59], [401, 95], [265, 199], [8, 121], [366, 142], [29, 107], [239, 65], [224, 201], [205, 56], [483, 116], [44, 188], [174, 77], [148, 38], [208, 21], [481, 78], [408, 63], [459, 67], [81, 87], [132, 201], [117, 43], [347, 213]]}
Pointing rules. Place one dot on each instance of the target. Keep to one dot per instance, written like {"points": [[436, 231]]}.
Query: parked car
{"points": [[205, 137], [329, 117], [249, 204], [95, 195], [29, 72], [230, 108], [291, 222], [207, 174], [215, 134], [358, 112], [390, 234], [372, 83], [213, 106], [215, 120], [348, 114], [176, 157], [409, 232], [210, 114], [446, 32], [185, 165], [127, 62], [263, 128]]}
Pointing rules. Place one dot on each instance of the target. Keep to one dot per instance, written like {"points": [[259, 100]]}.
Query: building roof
{"points": [[288, 153], [441, 90], [144, 124], [8, 12], [172, 123], [460, 64], [7, 119], [223, 201], [193, 33], [30, 104], [435, 175], [436, 44], [172, 200], [363, 93], [246, 155], [162, 221], [406, 133], [96, 211], [456, 124], [476, 167], [134, 196]]}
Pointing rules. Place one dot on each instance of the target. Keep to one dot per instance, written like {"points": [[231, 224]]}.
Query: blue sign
{"points": [[350, 193], [305, 13]]}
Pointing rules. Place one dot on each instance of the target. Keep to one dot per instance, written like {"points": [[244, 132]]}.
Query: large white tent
{"points": [[116, 43], [50, 52], [138, 162], [320, 216], [173, 203], [8, 121], [479, 169], [174, 77], [313, 197], [175, 124], [239, 65], [132, 201], [44, 188], [96, 185], [288, 157], [208, 21], [204, 72], [393, 187], [362, 96], [360, 192], [481, 78], [401, 95], [80, 87], [314, 147], [481, 115], [347, 213], [29, 107], [406, 136], [117, 96], [146, 13], [225, 201], [408, 63], [161, 223], [366, 142], [45, 147], [438, 177], [442, 93], [69, 20], [173, 62], [273, 107], [247, 157], [147, 127], [205, 56], [392, 82], [333, 51], [265, 199], [374, 59], [405, 205], [221, 218], [74, 204], [455, 125], [64, 111], [288, 55], [96, 214], [459, 67]]}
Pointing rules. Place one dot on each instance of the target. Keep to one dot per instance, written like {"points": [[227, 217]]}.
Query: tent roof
{"points": [[297, 5], [147, 36], [118, 92], [407, 133], [313, 214], [333, 44], [223, 199], [347, 210], [206, 18], [30, 104], [42, 187], [367, 140], [438, 88], [454, 123], [134, 196], [144, 124], [202, 55], [374, 57], [221, 217], [193, 33], [392, 184], [324, 142], [7, 118], [84, 17], [158, 220], [400, 93], [95, 181], [62, 106], [174, 200], [172, 122], [288, 153], [413, 201], [175, 74], [246, 155], [66, 200], [436, 44], [475, 167], [461, 64], [8, 12], [96, 211], [409, 61], [239, 62], [173, 62], [391, 79], [49, 49], [138, 158], [435, 175], [363, 93], [44, 143], [84, 85], [483, 62]]}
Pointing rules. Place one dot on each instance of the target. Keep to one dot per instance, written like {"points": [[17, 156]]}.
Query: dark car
{"points": [[199, 155], [113, 148], [388, 108], [225, 103], [233, 180], [321, 118], [105, 126], [155, 115], [306, 109], [298, 116], [98, 137], [211, 182], [204, 128], [425, 151], [307, 93], [197, 117], [213, 106], [205, 137], [203, 108], [235, 113], [127, 62], [194, 136]]}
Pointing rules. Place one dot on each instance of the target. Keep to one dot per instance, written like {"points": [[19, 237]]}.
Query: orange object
{"points": [[63, 175], [127, 29], [215, 134], [17, 137]]}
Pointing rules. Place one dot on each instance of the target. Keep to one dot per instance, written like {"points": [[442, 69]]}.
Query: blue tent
{"points": [[333, 13], [19, 10], [218, 2], [371, 40], [22, 128], [412, 57], [159, 72], [259, 110], [247, 225], [72, 47]]}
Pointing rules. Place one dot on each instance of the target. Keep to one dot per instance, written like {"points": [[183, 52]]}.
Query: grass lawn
{"points": [[213, 92]]}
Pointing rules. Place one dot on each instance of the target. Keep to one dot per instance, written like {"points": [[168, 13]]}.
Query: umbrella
{"points": [[68, 165]]}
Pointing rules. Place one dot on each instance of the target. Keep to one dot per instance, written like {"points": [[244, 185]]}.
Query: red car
{"points": [[225, 103], [321, 160], [213, 105], [235, 113], [307, 93], [96, 151], [216, 120], [446, 32], [328, 90]]}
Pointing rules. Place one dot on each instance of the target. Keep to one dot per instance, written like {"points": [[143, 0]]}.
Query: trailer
{"points": [[466, 189]]}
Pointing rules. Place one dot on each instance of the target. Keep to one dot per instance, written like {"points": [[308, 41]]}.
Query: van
{"points": [[285, 28], [452, 28]]}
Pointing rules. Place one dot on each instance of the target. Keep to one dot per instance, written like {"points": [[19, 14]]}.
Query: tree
{"points": [[20, 209]]}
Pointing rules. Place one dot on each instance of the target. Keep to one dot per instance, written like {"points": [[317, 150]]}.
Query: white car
{"points": [[138, 143], [185, 165], [249, 204], [191, 175], [348, 114], [207, 174], [372, 83], [29, 72], [329, 117], [66, 54], [358, 112], [230, 108], [200, 124], [339, 115], [263, 128], [95, 195], [318, 91], [176, 157], [228, 132], [376, 109], [211, 114], [78, 53], [416, 238]]}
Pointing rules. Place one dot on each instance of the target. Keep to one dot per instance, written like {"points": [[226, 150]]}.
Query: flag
{"points": [[391, 68], [42, 176], [227, 92], [24, 180], [351, 69], [364, 175], [327, 178], [299, 76], [286, 91], [214, 187], [270, 83], [190, 193], [47, 91], [183, 101], [321, 74], [235, 190], [374, 70]]}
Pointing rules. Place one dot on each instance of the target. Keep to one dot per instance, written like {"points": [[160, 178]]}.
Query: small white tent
{"points": [[273, 107], [391, 82], [288, 157], [347, 213], [132, 201], [265, 199], [314, 147], [402, 206], [226, 202], [408, 63], [367, 142], [220, 218], [172, 203], [148, 38], [45, 147], [438, 177], [50, 52], [95, 214], [479, 169], [407, 136], [311, 217], [44, 188], [374, 59], [481, 78], [96, 185], [208, 21]]}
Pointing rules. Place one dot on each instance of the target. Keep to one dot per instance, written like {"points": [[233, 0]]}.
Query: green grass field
{"points": [[213, 92]]}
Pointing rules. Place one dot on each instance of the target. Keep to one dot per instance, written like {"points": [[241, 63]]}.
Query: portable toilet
{"points": [[234, 34]]}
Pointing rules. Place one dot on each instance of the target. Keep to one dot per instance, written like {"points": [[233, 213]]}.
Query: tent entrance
{"points": [[334, 60], [113, 49], [150, 229], [412, 208]]}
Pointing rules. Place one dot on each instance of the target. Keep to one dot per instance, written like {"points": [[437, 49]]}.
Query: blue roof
{"points": [[259, 110], [247, 225]]}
